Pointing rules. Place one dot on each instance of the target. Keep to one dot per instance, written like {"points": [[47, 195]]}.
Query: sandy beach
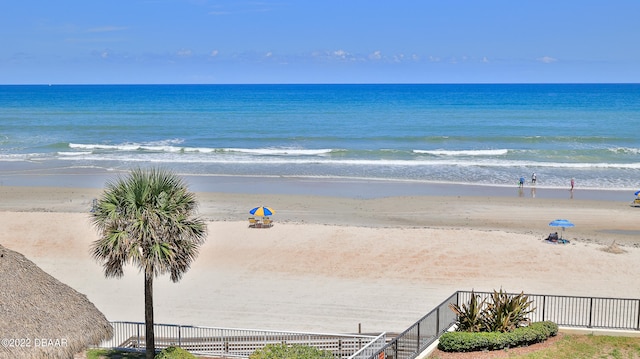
{"points": [[334, 263]]}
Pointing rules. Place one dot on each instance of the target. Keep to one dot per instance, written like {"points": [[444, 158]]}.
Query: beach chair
{"points": [[267, 223], [252, 222]]}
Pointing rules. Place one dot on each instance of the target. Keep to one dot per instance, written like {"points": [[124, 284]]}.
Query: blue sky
{"points": [[319, 41]]}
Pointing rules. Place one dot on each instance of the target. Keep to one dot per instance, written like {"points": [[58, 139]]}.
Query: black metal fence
{"points": [[585, 312], [566, 311], [419, 336]]}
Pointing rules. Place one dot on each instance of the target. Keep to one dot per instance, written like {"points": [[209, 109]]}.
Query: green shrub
{"points": [[522, 336], [506, 313], [471, 317], [503, 313], [174, 353], [296, 351]]}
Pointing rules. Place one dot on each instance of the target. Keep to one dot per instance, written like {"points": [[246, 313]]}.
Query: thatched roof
{"points": [[40, 317]]}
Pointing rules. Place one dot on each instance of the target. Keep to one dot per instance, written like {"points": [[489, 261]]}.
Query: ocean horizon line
{"points": [[46, 84]]}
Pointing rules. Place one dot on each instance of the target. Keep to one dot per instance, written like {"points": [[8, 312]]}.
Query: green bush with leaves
{"points": [[496, 322], [476, 341], [284, 351], [506, 313], [503, 313], [471, 316], [174, 353]]}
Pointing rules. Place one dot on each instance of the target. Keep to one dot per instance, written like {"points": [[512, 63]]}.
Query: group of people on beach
{"points": [[534, 179], [554, 238]]}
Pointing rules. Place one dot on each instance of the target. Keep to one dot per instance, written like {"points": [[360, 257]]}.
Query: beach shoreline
{"points": [[352, 187], [362, 203], [333, 262]]}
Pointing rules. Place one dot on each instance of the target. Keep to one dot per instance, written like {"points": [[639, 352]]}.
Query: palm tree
{"points": [[147, 219]]}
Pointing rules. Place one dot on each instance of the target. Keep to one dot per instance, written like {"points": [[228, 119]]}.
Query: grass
{"points": [[113, 354], [584, 347], [590, 347]]}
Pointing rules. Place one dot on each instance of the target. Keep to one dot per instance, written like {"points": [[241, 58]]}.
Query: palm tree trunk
{"points": [[148, 317]]}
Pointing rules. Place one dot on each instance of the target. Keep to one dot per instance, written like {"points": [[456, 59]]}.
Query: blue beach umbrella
{"points": [[262, 211], [637, 193], [561, 223]]}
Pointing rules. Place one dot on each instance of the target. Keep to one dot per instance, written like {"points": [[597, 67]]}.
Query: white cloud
{"points": [[343, 55], [213, 53], [376, 55], [485, 60], [340, 54], [398, 58], [547, 59], [184, 53]]}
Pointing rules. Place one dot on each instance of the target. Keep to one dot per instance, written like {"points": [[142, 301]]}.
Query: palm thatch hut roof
{"points": [[41, 317]]}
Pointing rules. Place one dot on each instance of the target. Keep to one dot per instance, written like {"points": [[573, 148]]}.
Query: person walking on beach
{"points": [[573, 182], [521, 183], [533, 178]]}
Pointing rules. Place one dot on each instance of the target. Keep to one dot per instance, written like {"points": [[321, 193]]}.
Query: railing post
{"points": [[590, 311], [638, 321], [180, 335], [418, 339], [544, 305], [438, 321], [395, 349]]}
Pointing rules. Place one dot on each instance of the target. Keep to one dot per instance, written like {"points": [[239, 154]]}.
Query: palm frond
{"points": [[148, 219]]}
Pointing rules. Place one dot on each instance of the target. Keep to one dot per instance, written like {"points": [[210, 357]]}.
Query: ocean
{"points": [[482, 134]]}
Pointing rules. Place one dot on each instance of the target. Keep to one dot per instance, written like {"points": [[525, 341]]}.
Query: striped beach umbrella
{"points": [[262, 211]]}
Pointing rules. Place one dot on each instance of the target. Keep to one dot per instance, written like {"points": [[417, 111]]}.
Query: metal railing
{"points": [[231, 342], [420, 335], [567, 311], [587, 312]]}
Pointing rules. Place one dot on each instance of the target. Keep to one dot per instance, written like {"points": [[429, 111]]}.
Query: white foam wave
{"points": [[84, 153], [634, 151], [122, 147], [11, 157], [281, 151], [140, 147], [176, 149], [497, 152], [284, 160]]}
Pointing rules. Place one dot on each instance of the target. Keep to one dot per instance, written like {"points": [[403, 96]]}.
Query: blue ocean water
{"points": [[471, 133]]}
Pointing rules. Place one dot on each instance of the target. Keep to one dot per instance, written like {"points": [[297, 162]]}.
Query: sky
{"points": [[319, 41]]}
